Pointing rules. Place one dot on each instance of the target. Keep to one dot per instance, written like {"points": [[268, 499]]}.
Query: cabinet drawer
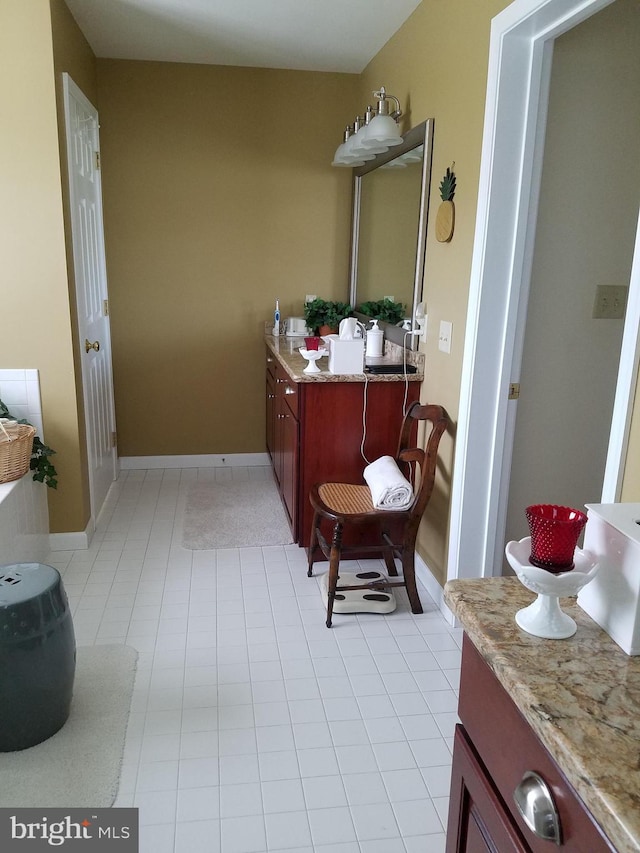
{"points": [[508, 748], [271, 364], [289, 391]]}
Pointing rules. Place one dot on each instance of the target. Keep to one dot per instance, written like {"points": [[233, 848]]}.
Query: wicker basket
{"points": [[15, 451]]}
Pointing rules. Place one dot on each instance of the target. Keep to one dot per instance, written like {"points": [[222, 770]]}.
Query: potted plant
{"points": [[383, 309], [323, 317], [40, 464]]}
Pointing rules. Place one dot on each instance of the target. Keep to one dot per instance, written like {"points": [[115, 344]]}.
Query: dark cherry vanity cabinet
{"points": [[314, 431], [493, 749]]}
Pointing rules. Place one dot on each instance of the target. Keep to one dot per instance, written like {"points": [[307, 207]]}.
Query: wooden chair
{"points": [[346, 504]]}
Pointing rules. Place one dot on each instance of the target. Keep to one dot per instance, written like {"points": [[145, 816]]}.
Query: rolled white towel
{"points": [[389, 488]]}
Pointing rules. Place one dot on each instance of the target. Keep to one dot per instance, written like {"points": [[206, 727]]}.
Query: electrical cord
{"points": [[407, 334], [364, 417]]}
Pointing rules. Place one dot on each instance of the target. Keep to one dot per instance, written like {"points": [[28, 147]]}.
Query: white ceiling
{"points": [[312, 35]]}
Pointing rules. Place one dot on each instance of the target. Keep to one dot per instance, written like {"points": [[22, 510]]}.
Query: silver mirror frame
{"points": [[422, 134]]}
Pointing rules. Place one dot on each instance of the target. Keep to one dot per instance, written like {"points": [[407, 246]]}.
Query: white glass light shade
{"points": [[339, 157], [355, 151], [381, 133], [358, 148], [398, 163]]}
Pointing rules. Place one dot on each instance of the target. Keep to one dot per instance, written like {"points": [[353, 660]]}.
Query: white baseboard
{"points": [[429, 582], [77, 541], [205, 460]]}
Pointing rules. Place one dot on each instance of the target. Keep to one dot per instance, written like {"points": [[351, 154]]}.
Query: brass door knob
{"points": [[94, 346]]}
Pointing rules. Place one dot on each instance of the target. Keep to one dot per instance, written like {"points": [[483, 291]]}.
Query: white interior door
{"points": [[94, 340]]}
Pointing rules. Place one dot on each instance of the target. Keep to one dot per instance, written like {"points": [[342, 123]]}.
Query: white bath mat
{"points": [[359, 601], [234, 515]]}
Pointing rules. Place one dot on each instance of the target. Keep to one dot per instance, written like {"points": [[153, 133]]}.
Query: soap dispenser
{"points": [[375, 338]]}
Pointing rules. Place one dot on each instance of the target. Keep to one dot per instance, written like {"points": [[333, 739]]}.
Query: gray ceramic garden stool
{"points": [[37, 655]]}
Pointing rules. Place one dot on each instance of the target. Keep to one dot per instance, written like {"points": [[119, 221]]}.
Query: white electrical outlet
{"points": [[444, 338], [389, 297], [422, 325], [310, 297]]}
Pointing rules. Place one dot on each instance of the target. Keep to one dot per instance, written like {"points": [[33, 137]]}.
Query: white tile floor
{"points": [[253, 727]]}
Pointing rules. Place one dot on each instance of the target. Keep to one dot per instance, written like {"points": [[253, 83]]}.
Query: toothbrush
{"points": [[276, 320]]}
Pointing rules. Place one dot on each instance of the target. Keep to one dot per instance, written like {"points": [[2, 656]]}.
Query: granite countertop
{"points": [[581, 696], [286, 351]]}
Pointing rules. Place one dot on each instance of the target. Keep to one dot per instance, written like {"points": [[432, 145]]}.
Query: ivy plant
{"points": [[383, 309]]}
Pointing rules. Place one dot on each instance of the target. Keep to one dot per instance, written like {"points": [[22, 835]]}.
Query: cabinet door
{"points": [[510, 749], [271, 415], [478, 820], [289, 461]]}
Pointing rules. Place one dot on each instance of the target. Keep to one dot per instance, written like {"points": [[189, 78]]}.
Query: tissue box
{"points": [[345, 356], [612, 598]]}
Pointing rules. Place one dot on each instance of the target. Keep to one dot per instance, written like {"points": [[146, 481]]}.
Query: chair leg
{"points": [[409, 571], [390, 563], [312, 544], [334, 565]]}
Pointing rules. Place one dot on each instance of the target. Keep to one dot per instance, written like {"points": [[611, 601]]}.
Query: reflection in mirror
{"points": [[389, 227]]}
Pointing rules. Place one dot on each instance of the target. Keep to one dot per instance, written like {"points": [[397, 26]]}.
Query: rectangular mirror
{"points": [[390, 212]]}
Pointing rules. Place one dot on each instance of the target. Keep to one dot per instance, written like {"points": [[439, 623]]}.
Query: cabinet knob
{"points": [[289, 390], [537, 808]]}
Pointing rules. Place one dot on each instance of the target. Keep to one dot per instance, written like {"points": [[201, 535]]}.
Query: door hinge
{"points": [[98, 160], [105, 307], [514, 390], [114, 439]]}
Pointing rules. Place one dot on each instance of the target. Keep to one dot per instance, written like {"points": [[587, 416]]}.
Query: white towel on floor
{"points": [[389, 488]]}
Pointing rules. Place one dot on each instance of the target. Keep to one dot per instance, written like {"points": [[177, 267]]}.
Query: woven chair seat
{"points": [[346, 499]]}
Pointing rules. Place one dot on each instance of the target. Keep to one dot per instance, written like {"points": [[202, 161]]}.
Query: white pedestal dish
{"points": [[544, 618], [312, 356]]}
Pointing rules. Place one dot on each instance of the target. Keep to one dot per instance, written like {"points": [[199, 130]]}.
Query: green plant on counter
{"points": [[383, 309], [40, 464], [321, 312]]}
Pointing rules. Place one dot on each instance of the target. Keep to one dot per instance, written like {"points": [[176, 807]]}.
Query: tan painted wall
{"points": [[164, 136], [218, 197], [36, 327], [436, 64]]}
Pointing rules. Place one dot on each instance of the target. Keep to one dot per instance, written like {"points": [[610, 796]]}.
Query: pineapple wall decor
{"points": [[445, 218]]}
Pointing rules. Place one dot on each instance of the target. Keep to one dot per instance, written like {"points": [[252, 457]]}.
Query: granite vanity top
{"points": [[581, 696], [286, 351]]}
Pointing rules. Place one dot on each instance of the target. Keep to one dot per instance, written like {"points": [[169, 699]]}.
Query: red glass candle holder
{"points": [[312, 343], [554, 535]]}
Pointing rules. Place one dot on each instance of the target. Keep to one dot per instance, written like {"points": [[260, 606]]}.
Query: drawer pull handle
{"points": [[537, 808], [289, 390]]}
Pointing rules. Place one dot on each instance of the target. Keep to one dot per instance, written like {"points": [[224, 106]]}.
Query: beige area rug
{"points": [[234, 515], [79, 767]]}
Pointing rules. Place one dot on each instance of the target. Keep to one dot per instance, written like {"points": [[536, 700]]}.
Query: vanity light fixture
{"points": [[374, 134], [345, 155]]}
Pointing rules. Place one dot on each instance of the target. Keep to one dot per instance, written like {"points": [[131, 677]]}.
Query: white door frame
{"points": [[519, 74]]}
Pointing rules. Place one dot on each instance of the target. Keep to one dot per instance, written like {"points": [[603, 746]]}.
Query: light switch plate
{"points": [[610, 302], [444, 338]]}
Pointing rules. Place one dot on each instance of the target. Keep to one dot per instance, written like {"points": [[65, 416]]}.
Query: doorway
{"points": [[590, 187], [520, 64]]}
